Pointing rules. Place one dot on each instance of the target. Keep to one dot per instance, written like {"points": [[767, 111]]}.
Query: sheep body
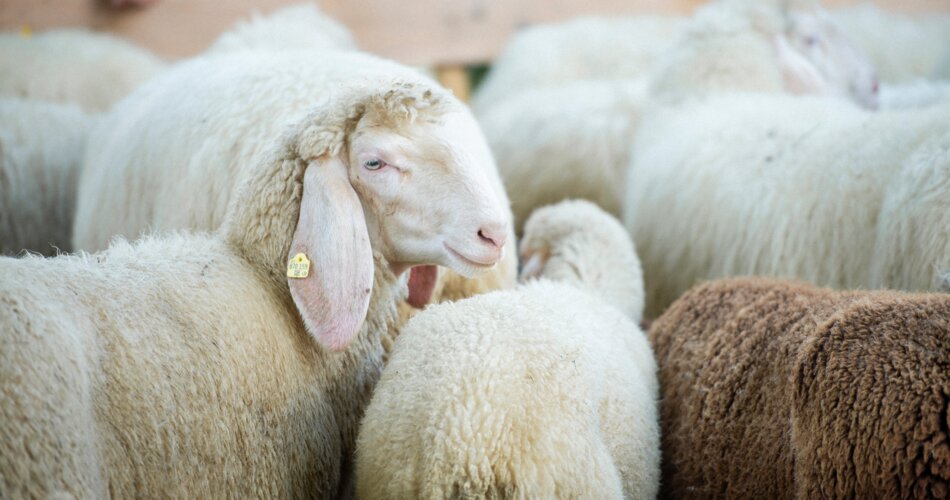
{"points": [[301, 26], [586, 48], [169, 156], [913, 236], [506, 394], [770, 379], [768, 185], [90, 69], [140, 381], [914, 94], [565, 142], [41, 146]]}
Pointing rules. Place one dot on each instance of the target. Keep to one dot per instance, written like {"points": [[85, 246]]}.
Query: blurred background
{"points": [[457, 39]]}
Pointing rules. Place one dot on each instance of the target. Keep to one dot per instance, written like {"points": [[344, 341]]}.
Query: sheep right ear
{"points": [[801, 76], [332, 291]]}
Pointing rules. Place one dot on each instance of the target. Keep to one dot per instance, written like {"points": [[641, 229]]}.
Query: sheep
{"points": [[583, 131], [548, 390], [237, 363], [580, 49], [93, 70], [166, 158], [41, 146], [776, 389], [902, 48], [562, 142], [914, 94], [913, 228], [301, 26], [776, 46], [766, 184]]}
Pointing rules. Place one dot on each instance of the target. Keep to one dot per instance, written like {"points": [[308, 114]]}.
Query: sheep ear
{"points": [[801, 76], [332, 292]]}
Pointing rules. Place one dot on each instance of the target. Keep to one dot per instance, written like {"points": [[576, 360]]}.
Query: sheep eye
{"points": [[811, 41], [374, 164]]}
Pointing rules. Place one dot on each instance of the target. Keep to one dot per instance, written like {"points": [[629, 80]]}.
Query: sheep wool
{"points": [[565, 142], [769, 184], [92, 70], [214, 387], [301, 26], [544, 391], [913, 235], [41, 148], [597, 48], [768, 387]]}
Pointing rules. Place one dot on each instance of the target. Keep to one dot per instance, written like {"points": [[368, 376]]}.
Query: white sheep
{"points": [[903, 48], [41, 148], [573, 141], [914, 94], [300, 26], [773, 46], [169, 157], [580, 49], [569, 141], [913, 238], [238, 363], [545, 391], [765, 184], [93, 70]]}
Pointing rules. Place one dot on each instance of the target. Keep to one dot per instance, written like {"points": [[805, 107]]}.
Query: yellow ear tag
{"points": [[298, 266], [26, 31]]}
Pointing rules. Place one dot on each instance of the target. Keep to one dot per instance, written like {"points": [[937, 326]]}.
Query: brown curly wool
{"points": [[775, 389]]}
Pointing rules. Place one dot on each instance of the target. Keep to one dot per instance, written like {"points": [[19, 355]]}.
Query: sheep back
{"points": [[93, 70], [514, 393], [760, 391], [161, 393]]}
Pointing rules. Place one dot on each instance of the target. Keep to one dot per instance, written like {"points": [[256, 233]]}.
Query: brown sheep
{"points": [[775, 389]]}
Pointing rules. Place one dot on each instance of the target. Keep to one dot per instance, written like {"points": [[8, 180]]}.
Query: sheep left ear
{"points": [[801, 76], [332, 291]]}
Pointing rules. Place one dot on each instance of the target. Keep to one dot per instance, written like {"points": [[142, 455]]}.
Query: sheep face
{"points": [[426, 192], [848, 71]]}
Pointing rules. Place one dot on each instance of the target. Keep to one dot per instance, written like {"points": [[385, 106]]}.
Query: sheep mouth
{"points": [[467, 261]]}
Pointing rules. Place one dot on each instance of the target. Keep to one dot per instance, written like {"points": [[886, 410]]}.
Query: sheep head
{"points": [[398, 170], [576, 242], [847, 70], [777, 45]]}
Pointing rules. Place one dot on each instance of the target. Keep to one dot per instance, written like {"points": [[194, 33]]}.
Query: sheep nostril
{"points": [[486, 239], [493, 236]]}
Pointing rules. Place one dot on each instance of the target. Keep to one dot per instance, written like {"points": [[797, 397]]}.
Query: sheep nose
{"points": [[493, 234]]}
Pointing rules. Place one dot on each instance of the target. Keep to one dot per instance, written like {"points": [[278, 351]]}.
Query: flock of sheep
{"points": [[240, 250]]}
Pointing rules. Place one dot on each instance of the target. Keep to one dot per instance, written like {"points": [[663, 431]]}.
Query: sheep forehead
{"points": [[453, 143]]}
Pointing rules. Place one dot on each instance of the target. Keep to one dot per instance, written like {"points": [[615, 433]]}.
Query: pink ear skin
{"points": [[801, 76], [331, 232], [421, 284]]}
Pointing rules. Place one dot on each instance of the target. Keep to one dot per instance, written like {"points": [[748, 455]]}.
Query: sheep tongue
{"points": [[421, 284]]}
